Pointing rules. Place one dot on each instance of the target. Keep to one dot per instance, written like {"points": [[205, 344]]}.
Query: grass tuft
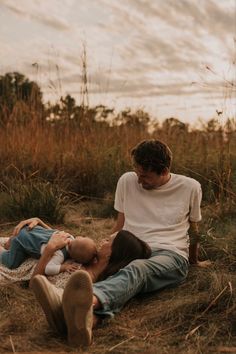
{"points": [[34, 198]]}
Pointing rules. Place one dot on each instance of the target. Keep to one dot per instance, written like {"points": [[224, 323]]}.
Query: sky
{"points": [[171, 58]]}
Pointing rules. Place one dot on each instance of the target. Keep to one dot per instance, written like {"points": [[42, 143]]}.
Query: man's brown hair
{"points": [[152, 155]]}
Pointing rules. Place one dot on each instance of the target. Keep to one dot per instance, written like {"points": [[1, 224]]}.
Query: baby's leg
{"points": [[14, 257]]}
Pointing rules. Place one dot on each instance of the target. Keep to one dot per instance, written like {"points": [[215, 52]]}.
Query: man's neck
{"points": [[166, 179]]}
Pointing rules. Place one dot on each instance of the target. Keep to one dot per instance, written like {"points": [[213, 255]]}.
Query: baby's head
{"points": [[82, 249]]}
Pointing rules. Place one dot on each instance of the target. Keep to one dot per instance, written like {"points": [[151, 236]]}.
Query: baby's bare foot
{"points": [[7, 245]]}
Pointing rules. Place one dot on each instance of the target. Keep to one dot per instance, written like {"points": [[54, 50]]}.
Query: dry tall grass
{"points": [[89, 159], [197, 317]]}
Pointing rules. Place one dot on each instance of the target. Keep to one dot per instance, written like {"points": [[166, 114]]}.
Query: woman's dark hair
{"points": [[125, 248], [152, 155]]}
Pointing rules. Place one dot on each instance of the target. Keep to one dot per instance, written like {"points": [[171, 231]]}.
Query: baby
{"points": [[32, 242]]}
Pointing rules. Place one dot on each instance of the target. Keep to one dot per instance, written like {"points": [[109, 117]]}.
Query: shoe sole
{"points": [[43, 294], [77, 307]]}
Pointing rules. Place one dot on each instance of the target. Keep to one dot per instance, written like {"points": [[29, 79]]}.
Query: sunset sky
{"points": [[169, 57]]}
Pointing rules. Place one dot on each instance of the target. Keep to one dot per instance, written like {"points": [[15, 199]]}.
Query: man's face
{"points": [[149, 179]]}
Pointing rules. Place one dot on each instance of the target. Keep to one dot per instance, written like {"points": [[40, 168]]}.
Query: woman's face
{"points": [[105, 248]]}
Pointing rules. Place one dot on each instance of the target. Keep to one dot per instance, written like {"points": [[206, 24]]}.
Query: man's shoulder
{"points": [[187, 181], [128, 176]]}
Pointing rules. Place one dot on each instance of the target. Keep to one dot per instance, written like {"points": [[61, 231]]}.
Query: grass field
{"points": [[65, 171], [197, 317]]}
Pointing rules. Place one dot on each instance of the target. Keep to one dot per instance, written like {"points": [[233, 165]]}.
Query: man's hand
{"points": [[203, 264], [31, 223], [69, 267], [58, 240]]}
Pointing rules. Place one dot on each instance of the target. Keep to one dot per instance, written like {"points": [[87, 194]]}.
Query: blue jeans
{"points": [[163, 269], [26, 244]]}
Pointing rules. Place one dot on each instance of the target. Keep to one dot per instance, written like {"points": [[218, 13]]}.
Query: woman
{"points": [[115, 253]]}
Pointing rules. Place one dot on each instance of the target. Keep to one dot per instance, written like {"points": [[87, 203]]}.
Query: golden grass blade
{"points": [[119, 344]]}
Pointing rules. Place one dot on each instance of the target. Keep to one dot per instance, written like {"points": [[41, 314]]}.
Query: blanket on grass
{"points": [[25, 271]]}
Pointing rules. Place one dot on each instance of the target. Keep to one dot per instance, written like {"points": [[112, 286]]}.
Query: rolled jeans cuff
{"points": [[105, 309]]}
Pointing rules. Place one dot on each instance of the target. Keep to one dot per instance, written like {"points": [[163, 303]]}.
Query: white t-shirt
{"points": [[54, 265], [160, 216]]}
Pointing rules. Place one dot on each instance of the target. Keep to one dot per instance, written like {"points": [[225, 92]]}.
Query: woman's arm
{"points": [[57, 241], [31, 223], [43, 261]]}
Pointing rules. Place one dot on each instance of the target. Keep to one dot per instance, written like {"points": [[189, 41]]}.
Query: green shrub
{"points": [[101, 208], [34, 198]]}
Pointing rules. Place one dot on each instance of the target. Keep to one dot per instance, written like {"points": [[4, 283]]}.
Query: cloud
{"points": [[151, 43], [135, 48], [52, 22], [37, 13], [173, 30], [140, 86]]}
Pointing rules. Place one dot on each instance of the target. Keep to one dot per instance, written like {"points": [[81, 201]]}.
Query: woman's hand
{"points": [[58, 240], [31, 223]]}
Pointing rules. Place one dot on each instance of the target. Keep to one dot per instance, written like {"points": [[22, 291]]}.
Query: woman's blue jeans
{"points": [[163, 269]]}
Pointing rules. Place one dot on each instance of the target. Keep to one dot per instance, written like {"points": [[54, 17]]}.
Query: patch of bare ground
{"points": [[197, 317]]}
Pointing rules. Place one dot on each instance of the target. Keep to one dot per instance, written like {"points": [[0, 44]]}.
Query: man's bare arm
{"points": [[194, 237], [194, 246], [119, 222]]}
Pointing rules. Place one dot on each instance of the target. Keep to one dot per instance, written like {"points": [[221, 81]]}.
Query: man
{"points": [[159, 207]]}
